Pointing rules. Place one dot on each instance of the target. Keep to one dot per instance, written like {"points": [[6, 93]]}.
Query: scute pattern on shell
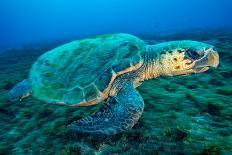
{"points": [[81, 70]]}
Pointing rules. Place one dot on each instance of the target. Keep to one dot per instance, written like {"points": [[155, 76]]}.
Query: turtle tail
{"points": [[20, 90]]}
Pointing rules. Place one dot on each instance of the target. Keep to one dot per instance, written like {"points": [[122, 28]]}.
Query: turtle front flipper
{"points": [[119, 114], [20, 90]]}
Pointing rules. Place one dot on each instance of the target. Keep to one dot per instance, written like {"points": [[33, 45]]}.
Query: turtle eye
{"points": [[192, 54]]}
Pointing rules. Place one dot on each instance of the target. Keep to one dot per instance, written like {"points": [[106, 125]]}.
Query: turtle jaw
{"points": [[210, 59]]}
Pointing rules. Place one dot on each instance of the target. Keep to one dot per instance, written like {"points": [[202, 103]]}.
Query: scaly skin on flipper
{"points": [[21, 90], [119, 114]]}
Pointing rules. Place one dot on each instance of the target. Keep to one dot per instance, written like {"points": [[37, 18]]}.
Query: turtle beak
{"points": [[209, 59]]}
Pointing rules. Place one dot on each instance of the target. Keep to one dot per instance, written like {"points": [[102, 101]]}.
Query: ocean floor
{"points": [[183, 115]]}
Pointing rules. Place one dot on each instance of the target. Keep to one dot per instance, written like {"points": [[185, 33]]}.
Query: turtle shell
{"points": [[81, 72]]}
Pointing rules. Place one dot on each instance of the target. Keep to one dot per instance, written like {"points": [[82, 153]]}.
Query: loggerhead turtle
{"points": [[109, 68]]}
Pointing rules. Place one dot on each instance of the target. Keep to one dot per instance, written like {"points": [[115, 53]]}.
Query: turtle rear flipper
{"points": [[119, 114], [20, 90]]}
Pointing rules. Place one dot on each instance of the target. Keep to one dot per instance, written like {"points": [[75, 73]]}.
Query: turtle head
{"points": [[186, 57]]}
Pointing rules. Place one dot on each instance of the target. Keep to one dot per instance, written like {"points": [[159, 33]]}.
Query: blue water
{"points": [[25, 22]]}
